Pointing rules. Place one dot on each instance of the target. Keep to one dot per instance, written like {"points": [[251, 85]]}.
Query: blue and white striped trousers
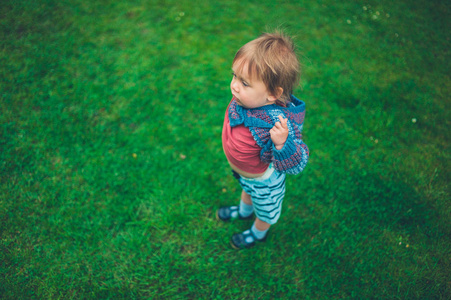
{"points": [[267, 193]]}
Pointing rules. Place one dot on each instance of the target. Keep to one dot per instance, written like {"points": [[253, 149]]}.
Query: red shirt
{"points": [[241, 149]]}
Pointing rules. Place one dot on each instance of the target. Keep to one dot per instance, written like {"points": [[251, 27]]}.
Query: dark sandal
{"points": [[228, 213], [245, 240]]}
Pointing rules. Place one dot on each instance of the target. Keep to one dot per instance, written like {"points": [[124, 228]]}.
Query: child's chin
{"points": [[238, 101]]}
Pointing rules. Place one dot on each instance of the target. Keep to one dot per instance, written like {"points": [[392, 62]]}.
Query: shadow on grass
{"points": [[370, 231]]}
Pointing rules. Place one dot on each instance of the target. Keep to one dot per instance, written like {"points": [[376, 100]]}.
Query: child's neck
{"points": [[280, 103]]}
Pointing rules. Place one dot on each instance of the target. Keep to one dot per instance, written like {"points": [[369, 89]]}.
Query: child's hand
{"points": [[279, 133]]}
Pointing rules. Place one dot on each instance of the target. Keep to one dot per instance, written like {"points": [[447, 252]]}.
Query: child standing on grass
{"points": [[261, 136]]}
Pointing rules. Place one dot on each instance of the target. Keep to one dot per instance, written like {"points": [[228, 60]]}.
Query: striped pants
{"points": [[267, 194]]}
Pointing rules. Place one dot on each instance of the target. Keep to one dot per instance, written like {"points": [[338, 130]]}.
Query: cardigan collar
{"points": [[261, 116]]}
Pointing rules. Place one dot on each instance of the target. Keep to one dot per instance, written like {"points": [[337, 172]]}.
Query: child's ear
{"points": [[274, 97]]}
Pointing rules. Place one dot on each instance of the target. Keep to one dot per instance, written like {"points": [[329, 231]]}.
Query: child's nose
{"points": [[234, 85]]}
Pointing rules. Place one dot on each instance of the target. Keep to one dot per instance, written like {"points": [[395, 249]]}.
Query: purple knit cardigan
{"points": [[293, 157]]}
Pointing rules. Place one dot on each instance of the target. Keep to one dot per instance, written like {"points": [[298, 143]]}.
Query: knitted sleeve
{"points": [[292, 158]]}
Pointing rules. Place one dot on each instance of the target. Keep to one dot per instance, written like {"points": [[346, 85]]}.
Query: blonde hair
{"points": [[272, 59]]}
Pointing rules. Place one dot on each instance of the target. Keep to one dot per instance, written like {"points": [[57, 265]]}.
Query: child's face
{"points": [[249, 93]]}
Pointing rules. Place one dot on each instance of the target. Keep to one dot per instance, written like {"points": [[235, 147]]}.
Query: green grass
{"points": [[111, 164]]}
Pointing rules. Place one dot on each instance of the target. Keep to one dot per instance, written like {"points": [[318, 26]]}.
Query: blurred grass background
{"points": [[112, 167]]}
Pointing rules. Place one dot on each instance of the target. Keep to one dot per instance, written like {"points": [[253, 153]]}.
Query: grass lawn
{"points": [[111, 163]]}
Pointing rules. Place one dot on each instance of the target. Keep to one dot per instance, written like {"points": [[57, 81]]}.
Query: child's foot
{"points": [[245, 240], [228, 213]]}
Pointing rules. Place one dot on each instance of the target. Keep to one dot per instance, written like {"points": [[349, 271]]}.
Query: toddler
{"points": [[261, 135]]}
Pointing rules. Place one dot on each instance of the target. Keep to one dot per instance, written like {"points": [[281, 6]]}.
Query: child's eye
{"points": [[244, 83]]}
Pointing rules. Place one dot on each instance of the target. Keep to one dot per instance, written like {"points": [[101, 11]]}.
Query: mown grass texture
{"points": [[112, 165]]}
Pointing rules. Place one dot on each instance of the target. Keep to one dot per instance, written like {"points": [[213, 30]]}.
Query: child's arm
{"points": [[290, 154]]}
